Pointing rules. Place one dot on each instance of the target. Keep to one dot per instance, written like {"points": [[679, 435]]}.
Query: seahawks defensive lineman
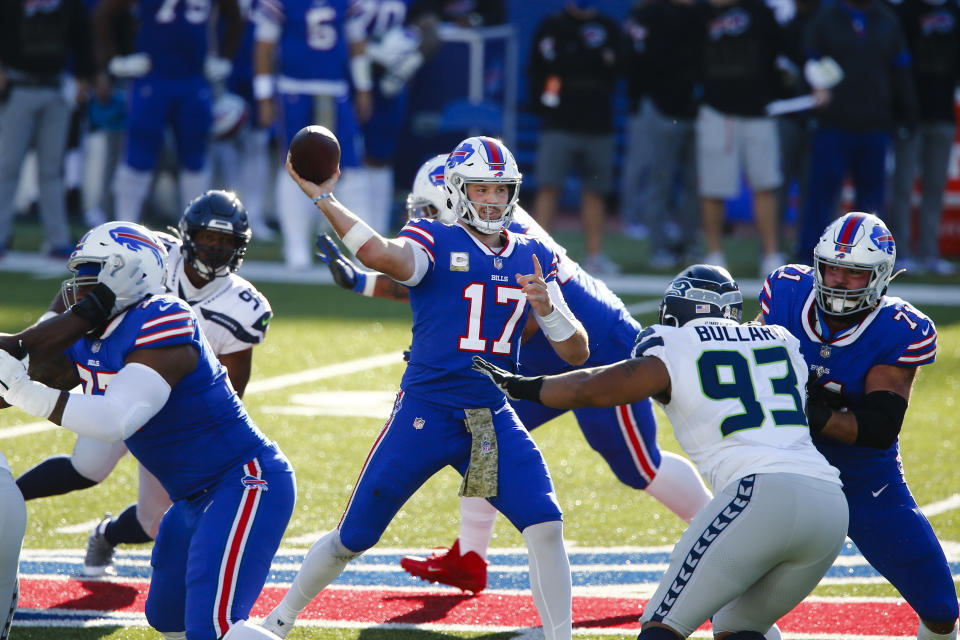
{"points": [[735, 397], [233, 316]]}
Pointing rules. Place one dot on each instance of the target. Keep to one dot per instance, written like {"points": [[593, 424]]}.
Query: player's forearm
{"points": [[607, 386], [842, 427], [390, 257], [574, 350], [390, 289]]}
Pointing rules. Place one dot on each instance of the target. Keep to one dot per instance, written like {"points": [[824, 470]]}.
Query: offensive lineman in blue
{"points": [[150, 378], [863, 349], [468, 296], [626, 436]]}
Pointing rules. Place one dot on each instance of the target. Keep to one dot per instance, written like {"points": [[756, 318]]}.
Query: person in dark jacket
{"points": [[932, 31], [576, 62], [854, 126], [36, 41]]}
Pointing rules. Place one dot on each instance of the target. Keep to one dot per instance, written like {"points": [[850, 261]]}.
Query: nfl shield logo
{"points": [[418, 423], [498, 263], [95, 347], [825, 351], [486, 447]]}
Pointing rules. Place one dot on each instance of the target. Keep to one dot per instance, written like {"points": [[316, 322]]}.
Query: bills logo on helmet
{"points": [[133, 240], [460, 155], [883, 239], [436, 176]]}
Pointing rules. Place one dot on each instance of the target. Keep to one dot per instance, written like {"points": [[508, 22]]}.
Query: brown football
{"points": [[315, 153]]}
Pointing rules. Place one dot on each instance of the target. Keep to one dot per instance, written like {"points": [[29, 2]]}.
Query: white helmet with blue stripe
{"points": [[855, 241], [481, 160]]}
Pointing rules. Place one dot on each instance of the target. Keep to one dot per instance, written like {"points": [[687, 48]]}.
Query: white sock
{"points": [[322, 565], [678, 486], [380, 185], [773, 633], [244, 630], [550, 579], [174, 635], [192, 184], [924, 633], [296, 215], [477, 517], [130, 189]]}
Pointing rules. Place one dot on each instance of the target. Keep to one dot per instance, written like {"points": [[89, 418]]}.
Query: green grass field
{"points": [[319, 325]]}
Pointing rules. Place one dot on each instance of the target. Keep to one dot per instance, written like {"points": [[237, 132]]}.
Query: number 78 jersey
{"points": [[737, 398]]}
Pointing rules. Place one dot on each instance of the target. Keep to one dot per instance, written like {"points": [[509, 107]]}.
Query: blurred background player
{"points": [[469, 291], [151, 379], [323, 76], [233, 316], [37, 42], [625, 436], [398, 42], [240, 154], [864, 348], [734, 395], [171, 69]]}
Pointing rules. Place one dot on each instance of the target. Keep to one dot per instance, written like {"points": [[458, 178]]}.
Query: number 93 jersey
{"points": [[467, 304], [233, 315], [736, 398]]}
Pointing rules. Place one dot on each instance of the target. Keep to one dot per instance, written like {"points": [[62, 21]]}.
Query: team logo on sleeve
{"points": [[253, 482]]}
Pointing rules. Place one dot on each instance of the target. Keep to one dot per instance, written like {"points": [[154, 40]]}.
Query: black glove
{"points": [[345, 273], [96, 306], [514, 386], [818, 408]]}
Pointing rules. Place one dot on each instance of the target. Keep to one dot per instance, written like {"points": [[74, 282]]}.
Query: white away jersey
{"points": [[233, 315], [737, 398]]}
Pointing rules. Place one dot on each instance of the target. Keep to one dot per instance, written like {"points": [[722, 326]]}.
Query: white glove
{"points": [[216, 68], [125, 279], [135, 65], [12, 373], [396, 44], [824, 73], [399, 74]]}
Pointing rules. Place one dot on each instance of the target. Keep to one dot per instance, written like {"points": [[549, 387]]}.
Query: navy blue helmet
{"points": [[219, 212], [701, 291]]}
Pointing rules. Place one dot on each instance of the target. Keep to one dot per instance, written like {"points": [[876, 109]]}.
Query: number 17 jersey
{"points": [[467, 304]]}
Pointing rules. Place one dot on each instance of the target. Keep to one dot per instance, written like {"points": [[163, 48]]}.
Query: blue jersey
{"points": [[380, 16], [468, 303], [313, 41], [174, 35], [895, 333], [610, 328], [202, 431]]}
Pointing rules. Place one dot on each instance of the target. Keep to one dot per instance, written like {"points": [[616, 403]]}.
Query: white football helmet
{"points": [[427, 199], [857, 240], [481, 160], [127, 239]]}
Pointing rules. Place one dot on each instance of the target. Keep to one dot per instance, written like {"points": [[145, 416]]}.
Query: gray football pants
{"points": [[752, 554], [13, 524], [41, 116]]}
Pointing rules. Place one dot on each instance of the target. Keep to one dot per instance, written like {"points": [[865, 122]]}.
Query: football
{"points": [[315, 153]]}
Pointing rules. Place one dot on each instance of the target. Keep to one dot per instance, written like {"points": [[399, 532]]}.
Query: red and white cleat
{"points": [[446, 566]]}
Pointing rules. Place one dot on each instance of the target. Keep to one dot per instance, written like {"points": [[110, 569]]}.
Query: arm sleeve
{"points": [[134, 396], [422, 262]]}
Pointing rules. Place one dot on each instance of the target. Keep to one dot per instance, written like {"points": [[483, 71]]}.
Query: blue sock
{"points": [[125, 528], [52, 477]]}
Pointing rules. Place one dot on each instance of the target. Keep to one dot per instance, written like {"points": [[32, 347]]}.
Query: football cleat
{"points": [[99, 559], [446, 566]]}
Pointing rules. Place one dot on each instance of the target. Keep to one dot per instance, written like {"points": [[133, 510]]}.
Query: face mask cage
{"points": [[212, 261], [85, 275], [421, 208], [838, 301], [468, 210]]}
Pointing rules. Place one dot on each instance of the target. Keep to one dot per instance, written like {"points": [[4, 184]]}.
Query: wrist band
{"points": [[556, 326], [369, 284], [361, 72], [322, 196], [357, 236], [262, 86]]}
